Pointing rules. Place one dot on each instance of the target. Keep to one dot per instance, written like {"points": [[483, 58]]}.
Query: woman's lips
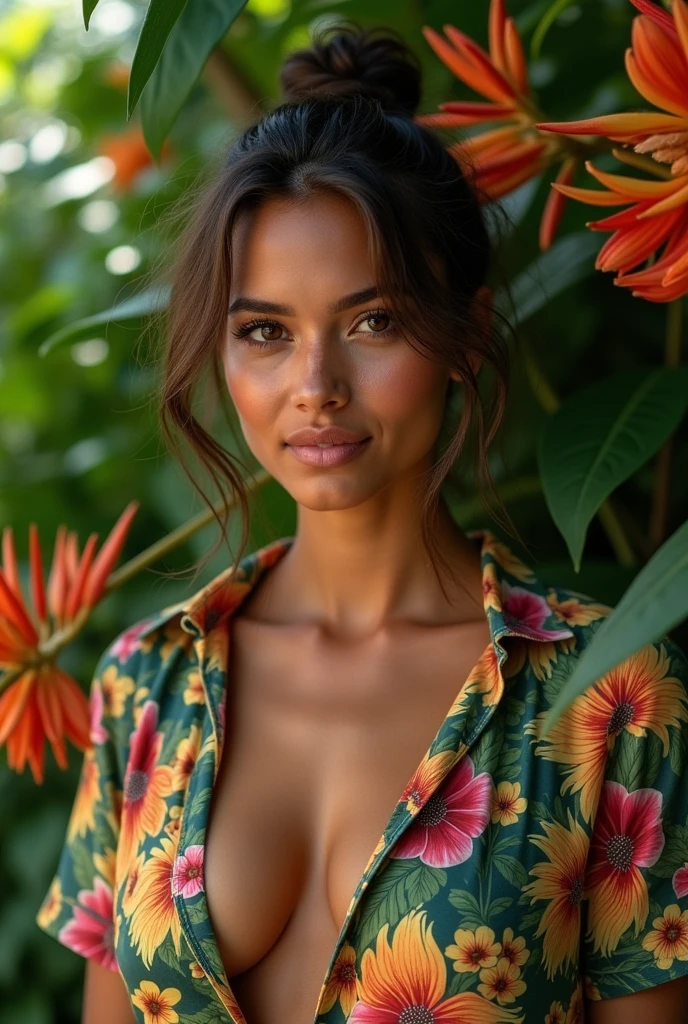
{"points": [[337, 455]]}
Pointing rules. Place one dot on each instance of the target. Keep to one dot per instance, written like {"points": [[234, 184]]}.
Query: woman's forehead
{"points": [[318, 243]]}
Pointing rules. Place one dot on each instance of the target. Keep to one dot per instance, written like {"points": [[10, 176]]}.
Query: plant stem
{"points": [[660, 497], [172, 540]]}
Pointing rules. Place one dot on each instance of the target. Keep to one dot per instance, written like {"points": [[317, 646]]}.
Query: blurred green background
{"points": [[78, 431]]}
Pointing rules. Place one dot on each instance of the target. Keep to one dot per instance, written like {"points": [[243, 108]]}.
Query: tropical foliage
{"points": [[106, 118]]}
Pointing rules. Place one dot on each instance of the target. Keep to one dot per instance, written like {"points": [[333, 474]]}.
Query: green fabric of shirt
{"points": [[514, 875]]}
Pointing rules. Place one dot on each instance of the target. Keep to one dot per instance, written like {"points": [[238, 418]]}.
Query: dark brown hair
{"points": [[347, 126]]}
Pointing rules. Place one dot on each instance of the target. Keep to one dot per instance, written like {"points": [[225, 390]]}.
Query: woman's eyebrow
{"points": [[245, 304], [354, 299]]}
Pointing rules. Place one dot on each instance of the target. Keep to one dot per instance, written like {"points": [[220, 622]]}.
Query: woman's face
{"points": [[311, 343]]}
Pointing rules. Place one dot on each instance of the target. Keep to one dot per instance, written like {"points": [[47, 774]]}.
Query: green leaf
{"points": [[653, 604], [461, 982], [161, 17], [544, 25], [82, 864], [199, 29], [628, 761], [424, 883], [386, 901], [465, 902], [152, 300], [499, 905], [210, 1015], [487, 751], [169, 956], [511, 869], [675, 852], [568, 261], [89, 7], [600, 437]]}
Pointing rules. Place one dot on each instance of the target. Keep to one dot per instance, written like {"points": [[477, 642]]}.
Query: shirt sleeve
{"points": [[77, 909], [635, 907]]}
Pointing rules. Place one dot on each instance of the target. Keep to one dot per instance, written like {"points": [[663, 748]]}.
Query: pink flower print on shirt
{"points": [[96, 731], [187, 874], [443, 830], [125, 645], [527, 612], [91, 930]]}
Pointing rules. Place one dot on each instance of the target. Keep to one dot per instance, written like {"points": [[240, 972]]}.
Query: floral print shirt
{"points": [[515, 874]]}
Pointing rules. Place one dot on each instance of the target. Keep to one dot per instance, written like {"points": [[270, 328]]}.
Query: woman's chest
{"points": [[321, 741]]}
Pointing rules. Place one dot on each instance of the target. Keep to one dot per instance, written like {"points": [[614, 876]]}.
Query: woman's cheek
{"points": [[409, 393]]}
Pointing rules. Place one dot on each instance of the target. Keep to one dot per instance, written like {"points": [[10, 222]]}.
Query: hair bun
{"points": [[348, 60]]}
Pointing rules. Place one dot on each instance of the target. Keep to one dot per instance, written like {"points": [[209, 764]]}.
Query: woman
{"points": [[317, 789]]}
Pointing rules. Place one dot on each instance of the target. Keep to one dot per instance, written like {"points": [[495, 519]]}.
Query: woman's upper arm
{"points": [[106, 1000], [667, 1003]]}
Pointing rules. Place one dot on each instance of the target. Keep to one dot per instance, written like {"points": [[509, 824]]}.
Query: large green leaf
{"points": [[200, 27], [89, 7], [567, 262], [161, 17], [150, 301], [655, 602], [600, 437]]}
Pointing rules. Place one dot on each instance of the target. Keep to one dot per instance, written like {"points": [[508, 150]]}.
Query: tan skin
{"points": [[313, 653]]}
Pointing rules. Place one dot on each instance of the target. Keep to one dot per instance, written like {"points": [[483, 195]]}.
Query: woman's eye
{"points": [[267, 332], [375, 324]]}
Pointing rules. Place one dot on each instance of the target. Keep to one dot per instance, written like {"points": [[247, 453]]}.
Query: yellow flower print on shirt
{"points": [[669, 939], [514, 949], [472, 950], [156, 1005], [115, 690], [342, 983], [193, 691], [502, 982], [82, 818], [52, 905], [412, 972], [507, 803]]}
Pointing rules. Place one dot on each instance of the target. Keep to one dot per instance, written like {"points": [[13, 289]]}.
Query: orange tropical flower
{"points": [[156, 1005], [669, 940], [657, 211], [502, 158], [636, 695], [472, 950], [342, 983], [560, 881], [38, 700], [627, 836], [146, 784], [154, 913], [507, 803], [502, 982], [130, 155], [412, 972]]}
